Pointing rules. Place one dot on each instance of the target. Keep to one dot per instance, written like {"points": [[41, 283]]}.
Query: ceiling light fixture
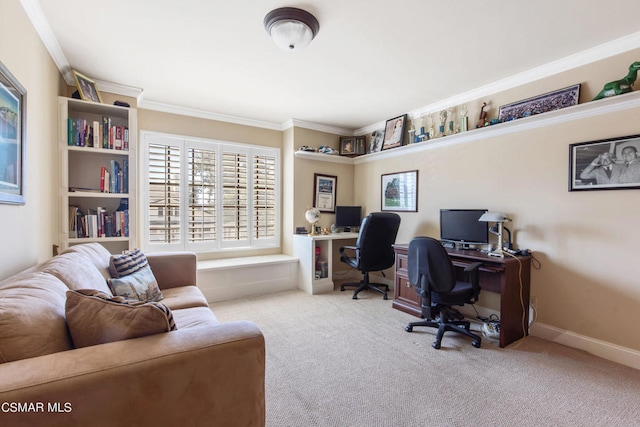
{"points": [[291, 28]]}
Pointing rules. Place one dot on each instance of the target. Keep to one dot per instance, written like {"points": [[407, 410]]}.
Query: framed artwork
{"points": [[377, 138], [399, 192], [555, 100], [606, 164], [394, 132], [13, 138], [324, 192], [352, 146], [87, 88]]}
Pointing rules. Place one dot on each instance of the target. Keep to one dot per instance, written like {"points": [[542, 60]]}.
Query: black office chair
{"points": [[373, 250], [432, 274]]}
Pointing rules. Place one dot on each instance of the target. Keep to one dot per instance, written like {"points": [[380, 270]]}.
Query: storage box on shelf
{"points": [[97, 191]]}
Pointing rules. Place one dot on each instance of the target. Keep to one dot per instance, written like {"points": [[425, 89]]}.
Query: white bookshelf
{"points": [[80, 166]]}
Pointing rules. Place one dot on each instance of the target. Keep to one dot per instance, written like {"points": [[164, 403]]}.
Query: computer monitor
{"points": [[348, 216], [462, 226]]}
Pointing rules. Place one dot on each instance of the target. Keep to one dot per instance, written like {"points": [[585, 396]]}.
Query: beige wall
{"points": [[28, 231], [586, 241]]}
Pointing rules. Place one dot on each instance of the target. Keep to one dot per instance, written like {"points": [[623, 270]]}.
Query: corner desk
{"points": [[501, 275], [305, 247]]}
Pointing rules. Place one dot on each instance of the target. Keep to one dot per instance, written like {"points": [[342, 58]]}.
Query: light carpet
{"points": [[335, 361]]}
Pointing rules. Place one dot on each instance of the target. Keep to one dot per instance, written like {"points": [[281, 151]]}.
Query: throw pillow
{"points": [[94, 317], [127, 263], [141, 285]]}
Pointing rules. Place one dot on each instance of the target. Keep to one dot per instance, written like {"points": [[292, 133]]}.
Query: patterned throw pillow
{"points": [[127, 263], [132, 277], [94, 317]]}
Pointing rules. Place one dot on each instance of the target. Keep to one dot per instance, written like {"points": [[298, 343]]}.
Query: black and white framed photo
{"points": [[394, 132], [324, 192], [87, 88], [399, 192], [377, 138], [606, 164], [13, 138]]}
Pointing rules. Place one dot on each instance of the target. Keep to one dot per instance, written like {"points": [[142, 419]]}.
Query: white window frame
{"points": [[184, 143]]}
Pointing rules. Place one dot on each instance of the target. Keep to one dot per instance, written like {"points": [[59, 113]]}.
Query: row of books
{"points": [[98, 223], [115, 179], [97, 134]]}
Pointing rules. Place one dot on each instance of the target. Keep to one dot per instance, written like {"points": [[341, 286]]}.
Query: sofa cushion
{"points": [[76, 270], [32, 321], [196, 316], [183, 297], [96, 253], [141, 285], [97, 318], [127, 263]]}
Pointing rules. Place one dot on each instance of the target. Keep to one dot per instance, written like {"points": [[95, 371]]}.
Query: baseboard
{"points": [[615, 353]]}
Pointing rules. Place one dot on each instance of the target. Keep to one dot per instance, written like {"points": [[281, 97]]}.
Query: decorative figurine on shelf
{"points": [[412, 134], [443, 121], [483, 116], [451, 118], [432, 131], [624, 85], [464, 120]]}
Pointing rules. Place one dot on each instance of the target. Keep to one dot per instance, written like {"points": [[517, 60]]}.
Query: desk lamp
{"points": [[499, 219]]}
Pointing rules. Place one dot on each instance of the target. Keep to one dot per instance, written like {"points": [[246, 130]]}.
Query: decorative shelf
{"points": [[577, 112]]}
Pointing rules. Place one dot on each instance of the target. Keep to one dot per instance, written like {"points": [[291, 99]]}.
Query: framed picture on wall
{"points": [[399, 192], [13, 138], [606, 164], [324, 192], [394, 132]]}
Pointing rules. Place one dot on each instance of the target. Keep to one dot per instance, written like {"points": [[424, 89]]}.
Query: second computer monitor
{"points": [[348, 217]]}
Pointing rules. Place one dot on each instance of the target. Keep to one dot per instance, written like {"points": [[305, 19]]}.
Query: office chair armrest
{"points": [[472, 267], [353, 248]]}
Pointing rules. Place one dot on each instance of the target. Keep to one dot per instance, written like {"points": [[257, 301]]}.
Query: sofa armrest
{"points": [[173, 269], [192, 376]]}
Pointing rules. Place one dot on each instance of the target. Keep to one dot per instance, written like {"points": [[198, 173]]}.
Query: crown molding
{"points": [[42, 27], [202, 114], [594, 54], [317, 126]]}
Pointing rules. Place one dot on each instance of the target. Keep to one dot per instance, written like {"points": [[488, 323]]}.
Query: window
{"points": [[203, 195]]}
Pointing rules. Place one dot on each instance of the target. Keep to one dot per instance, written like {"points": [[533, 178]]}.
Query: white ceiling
{"points": [[371, 60]]}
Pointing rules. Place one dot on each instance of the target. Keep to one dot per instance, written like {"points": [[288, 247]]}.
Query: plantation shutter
{"points": [[164, 193], [202, 195], [264, 196], [235, 209]]}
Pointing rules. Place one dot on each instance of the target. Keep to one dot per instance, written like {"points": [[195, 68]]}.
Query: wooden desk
{"points": [[501, 275]]}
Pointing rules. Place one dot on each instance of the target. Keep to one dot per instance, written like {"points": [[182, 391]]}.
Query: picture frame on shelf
{"points": [[555, 100], [324, 192], [375, 143], [399, 192], [394, 132], [87, 88], [352, 146], [606, 164], [13, 138]]}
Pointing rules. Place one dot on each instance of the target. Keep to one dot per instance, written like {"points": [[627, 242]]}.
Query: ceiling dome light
{"points": [[291, 28]]}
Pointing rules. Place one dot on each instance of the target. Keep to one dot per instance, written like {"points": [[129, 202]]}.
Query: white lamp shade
{"points": [[493, 217], [291, 35]]}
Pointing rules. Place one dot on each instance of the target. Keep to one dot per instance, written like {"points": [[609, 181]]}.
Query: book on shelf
{"points": [[84, 189]]}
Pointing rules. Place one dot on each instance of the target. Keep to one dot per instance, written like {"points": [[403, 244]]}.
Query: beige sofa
{"points": [[204, 373]]}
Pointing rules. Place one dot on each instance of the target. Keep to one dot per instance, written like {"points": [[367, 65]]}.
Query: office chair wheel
{"points": [[435, 345], [354, 296], [385, 296], [408, 328], [475, 343]]}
